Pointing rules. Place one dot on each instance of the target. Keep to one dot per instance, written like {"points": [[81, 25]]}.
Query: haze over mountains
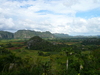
{"points": [[26, 34]]}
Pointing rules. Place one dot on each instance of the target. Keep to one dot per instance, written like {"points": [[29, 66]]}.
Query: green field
{"points": [[66, 57]]}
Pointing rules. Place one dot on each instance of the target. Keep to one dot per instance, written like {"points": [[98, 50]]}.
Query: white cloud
{"points": [[6, 23], [59, 16]]}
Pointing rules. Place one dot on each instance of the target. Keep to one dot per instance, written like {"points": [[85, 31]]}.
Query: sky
{"points": [[73, 17]]}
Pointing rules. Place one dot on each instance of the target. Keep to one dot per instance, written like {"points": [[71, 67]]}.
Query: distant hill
{"points": [[61, 35], [20, 34], [98, 36], [28, 34], [6, 35]]}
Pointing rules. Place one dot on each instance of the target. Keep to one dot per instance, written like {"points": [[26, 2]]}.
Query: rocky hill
{"points": [[6, 35], [20, 34], [25, 34]]}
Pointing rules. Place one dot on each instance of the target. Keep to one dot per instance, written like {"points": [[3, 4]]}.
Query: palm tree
{"points": [[68, 52]]}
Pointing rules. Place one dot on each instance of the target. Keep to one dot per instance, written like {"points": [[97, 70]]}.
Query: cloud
{"points": [[70, 3], [57, 16], [6, 23]]}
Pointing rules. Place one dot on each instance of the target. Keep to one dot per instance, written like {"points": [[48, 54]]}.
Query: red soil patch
{"points": [[14, 48]]}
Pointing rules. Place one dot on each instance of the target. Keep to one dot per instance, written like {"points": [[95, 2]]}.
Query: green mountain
{"points": [[37, 43], [20, 34], [6, 35]]}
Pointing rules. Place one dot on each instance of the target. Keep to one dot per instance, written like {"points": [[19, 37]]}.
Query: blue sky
{"points": [[89, 14], [73, 17]]}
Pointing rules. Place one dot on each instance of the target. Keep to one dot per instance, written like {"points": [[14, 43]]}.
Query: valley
{"points": [[38, 56]]}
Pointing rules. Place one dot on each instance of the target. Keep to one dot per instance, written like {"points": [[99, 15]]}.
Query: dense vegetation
{"points": [[37, 56]]}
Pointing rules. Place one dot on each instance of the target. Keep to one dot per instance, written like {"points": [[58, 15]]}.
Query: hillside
{"points": [[28, 34], [6, 35], [24, 34], [37, 43]]}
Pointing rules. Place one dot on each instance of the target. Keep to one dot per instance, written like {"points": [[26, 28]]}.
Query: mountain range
{"points": [[26, 34]]}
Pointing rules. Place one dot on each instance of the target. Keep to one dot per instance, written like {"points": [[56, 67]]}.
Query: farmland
{"points": [[63, 57]]}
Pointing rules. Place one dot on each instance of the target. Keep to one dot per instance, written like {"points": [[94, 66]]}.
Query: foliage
{"points": [[49, 58], [37, 43], [93, 41]]}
